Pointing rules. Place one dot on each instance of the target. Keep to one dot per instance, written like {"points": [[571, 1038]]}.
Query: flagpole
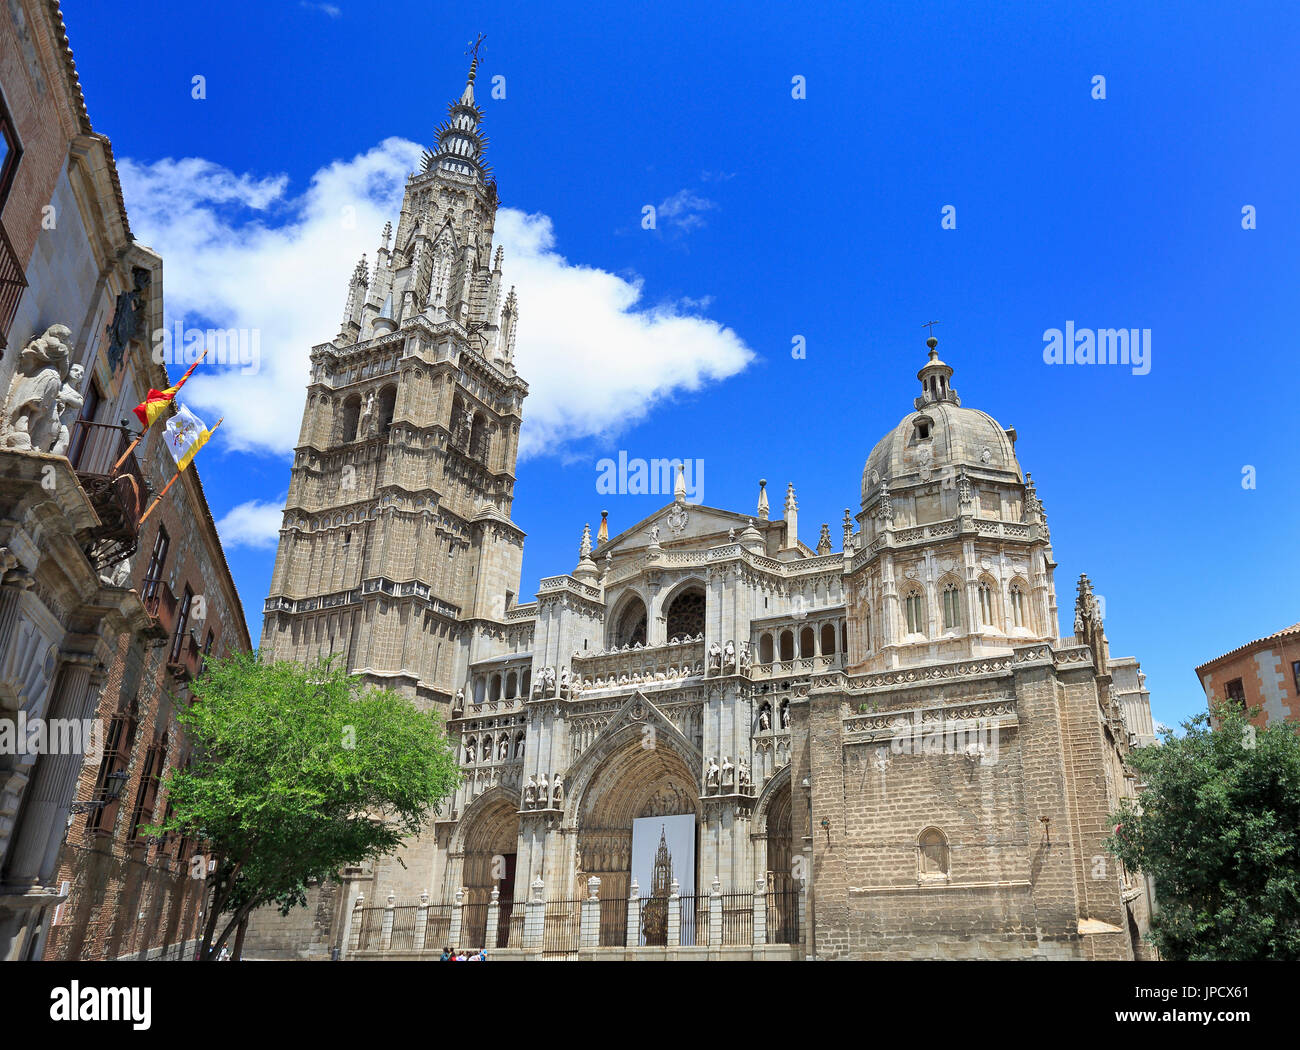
{"points": [[140, 436], [158, 498]]}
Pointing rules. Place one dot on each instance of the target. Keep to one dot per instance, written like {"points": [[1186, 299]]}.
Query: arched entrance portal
{"points": [[779, 861], [491, 839], [631, 783]]}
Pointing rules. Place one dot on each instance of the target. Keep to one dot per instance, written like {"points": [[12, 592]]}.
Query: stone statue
{"points": [[519, 746], [548, 681], [503, 748], [765, 718], [31, 415], [785, 715], [471, 754], [367, 416], [654, 534], [728, 770], [69, 398], [564, 681], [530, 792], [459, 705], [742, 777], [711, 775], [128, 316], [557, 792], [729, 657], [543, 791], [715, 657]]}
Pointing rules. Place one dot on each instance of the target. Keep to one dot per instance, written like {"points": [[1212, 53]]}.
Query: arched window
{"points": [[387, 405], [988, 616], [630, 626], [351, 413], [512, 685], [526, 683], [1017, 604], [914, 608], [951, 607], [932, 847], [480, 438], [686, 614], [765, 649], [787, 645], [495, 694], [807, 642], [828, 639]]}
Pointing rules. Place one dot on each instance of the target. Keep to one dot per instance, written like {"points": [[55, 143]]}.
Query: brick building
{"points": [[1264, 673], [81, 633]]}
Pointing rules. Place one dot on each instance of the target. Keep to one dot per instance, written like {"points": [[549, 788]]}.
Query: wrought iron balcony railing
{"points": [[115, 484]]}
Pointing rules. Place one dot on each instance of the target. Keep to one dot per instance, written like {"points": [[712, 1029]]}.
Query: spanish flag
{"points": [[156, 403], [184, 435]]}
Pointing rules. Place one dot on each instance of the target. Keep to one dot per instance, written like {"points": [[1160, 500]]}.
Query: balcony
{"points": [[186, 657], [12, 283], [117, 492], [161, 604]]}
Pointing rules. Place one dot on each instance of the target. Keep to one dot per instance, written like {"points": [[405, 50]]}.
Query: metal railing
{"points": [[560, 928], [437, 927], [613, 922], [12, 283], [737, 918], [783, 917], [694, 920], [115, 484]]}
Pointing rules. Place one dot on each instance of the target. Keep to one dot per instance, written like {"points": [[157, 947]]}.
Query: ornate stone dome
{"points": [[938, 436]]}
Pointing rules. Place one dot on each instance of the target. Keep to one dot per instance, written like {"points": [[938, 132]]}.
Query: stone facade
{"points": [[891, 739], [1264, 673]]}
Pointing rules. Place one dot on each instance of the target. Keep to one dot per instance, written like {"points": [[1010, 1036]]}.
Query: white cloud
{"points": [[251, 524], [683, 209], [241, 251]]}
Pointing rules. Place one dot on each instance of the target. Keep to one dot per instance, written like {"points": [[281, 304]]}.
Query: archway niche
{"points": [[630, 783], [491, 841], [629, 627], [685, 614]]}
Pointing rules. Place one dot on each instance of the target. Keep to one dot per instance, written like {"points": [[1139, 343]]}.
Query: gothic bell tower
{"points": [[397, 550]]}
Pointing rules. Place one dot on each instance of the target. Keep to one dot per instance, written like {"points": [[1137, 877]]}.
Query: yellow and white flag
{"points": [[185, 434]]}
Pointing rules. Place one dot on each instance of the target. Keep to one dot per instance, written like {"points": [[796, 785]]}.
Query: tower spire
{"points": [[461, 145]]}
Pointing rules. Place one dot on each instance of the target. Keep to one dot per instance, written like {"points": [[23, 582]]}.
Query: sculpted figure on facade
{"points": [[715, 657], [503, 748], [557, 792], [729, 657], [69, 399], [530, 792], [470, 753], [728, 770], [712, 775], [31, 409], [742, 777], [765, 717]]}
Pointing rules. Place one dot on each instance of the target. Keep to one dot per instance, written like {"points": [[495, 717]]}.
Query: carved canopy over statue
{"points": [[31, 411]]}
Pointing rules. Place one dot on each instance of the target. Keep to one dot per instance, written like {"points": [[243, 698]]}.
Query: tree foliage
{"points": [[296, 772], [1217, 828]]}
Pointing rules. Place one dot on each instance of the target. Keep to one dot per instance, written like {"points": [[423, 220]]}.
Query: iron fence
{"points": [[437, 926], [560, 928], [473, 925], [695, 920], [404, 918], [783, 917], [613, 922], [367, 929], [513, 930], [737, 918]]}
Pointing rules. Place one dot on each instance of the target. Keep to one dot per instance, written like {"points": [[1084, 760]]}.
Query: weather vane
{"points": [[474, 45], [930, 325]]}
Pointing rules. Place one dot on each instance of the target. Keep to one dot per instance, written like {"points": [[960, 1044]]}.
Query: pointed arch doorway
{"points": [[632, 783]]}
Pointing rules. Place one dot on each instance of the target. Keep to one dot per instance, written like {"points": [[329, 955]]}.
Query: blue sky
{"points": [[817, 217]]}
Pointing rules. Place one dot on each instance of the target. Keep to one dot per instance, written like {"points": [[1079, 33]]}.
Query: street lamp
{"points": [[113, 785]]}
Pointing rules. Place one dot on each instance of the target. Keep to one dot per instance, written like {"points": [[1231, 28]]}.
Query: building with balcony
{"points": [[882, 751], [83, 649]]}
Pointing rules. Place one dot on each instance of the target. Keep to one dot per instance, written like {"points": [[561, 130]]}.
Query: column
{"points": [[386, 933], [493, 919], [760, 911], [633, 938], [534, 916], [421, 921], [715, 914], [675, 915], [457, 916]]}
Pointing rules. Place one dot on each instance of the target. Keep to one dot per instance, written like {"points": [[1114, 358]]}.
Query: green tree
{"points": [[298, 771], [1217, 828]]}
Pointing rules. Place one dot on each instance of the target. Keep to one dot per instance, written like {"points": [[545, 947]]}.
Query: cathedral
{"points": [[881, 751]]}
